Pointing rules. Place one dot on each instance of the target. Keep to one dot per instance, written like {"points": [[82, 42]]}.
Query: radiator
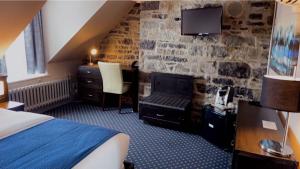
{"points": [[43, 95]]}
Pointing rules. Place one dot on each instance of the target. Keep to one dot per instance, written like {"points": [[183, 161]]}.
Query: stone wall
{"points": [[122, 43], [237, 57]]}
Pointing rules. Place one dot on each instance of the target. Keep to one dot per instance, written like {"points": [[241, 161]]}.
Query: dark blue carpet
{"points": [[150, 147]]}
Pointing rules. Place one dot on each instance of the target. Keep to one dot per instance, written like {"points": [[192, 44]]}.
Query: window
{"points": [[25, 58], [16, 63], [16, 60]]}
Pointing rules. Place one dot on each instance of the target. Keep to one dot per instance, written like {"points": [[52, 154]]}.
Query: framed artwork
{"points": [[284, 49]]}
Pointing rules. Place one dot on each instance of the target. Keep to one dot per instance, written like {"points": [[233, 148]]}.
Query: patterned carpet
{"points": [[150, 147]]}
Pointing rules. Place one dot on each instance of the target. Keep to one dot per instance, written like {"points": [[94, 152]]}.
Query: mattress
{"points": [[109, 155]]}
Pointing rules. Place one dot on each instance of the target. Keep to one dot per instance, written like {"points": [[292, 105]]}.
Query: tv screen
{"points": [[201, 21]]}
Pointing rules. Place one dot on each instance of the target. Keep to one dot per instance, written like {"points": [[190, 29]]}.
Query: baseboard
{"points": [[52, 106]]}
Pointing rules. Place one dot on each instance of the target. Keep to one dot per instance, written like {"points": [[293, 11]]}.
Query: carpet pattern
{"points": [[151, 147]]}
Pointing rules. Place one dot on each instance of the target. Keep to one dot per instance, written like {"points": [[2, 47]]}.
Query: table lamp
{"points": [[93, 53], [282, 94], [3, 88]]}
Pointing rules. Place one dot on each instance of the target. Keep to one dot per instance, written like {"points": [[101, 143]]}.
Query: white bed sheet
{"points": [[109, 155], [12, 122]]}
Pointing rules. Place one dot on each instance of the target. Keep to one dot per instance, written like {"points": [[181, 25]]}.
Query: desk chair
{"points": [[112, 80]]}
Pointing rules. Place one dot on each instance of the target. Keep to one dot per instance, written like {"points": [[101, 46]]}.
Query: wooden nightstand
{"points": [[11, 105]]}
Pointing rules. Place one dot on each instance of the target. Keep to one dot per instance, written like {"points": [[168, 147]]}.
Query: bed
{"points": [[109, 155]]}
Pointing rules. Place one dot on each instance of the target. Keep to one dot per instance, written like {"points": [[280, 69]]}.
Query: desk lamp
{"points": [[93, 53], [282, 94]]}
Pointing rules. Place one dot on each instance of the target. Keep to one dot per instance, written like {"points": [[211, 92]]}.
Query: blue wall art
{"points": [[285, 45]]}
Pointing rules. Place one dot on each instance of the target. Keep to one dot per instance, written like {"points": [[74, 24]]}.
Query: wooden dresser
{"points": [[249, 131], [90, 83]]}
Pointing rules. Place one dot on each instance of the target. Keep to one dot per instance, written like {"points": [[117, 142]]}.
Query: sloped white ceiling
{"points": [[65, 41], [14, 17], [62, 20]]}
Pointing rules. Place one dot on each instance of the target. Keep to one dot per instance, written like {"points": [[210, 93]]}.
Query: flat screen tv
{"points": [[201, 21]]}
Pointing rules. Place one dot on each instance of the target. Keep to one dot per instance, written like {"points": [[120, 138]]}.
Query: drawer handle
{"points": [[90, 95], [160, 115], [88, 72], [89, 81]]}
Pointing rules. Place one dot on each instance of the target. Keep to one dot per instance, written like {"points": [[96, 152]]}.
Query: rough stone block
{"points": [[137, 5], [234, 69], [219, 51], [182, 69], [150, 5], [147, 44], [133, 18], [127, 41], [255, 23], [149, 25], [264, 4], [226, 27], [235, 40], [209, 89], [200, 50], [243, 92], [223, 81], [260, 31], [175, 59], [208, 68], [124, 24], [256, 16], [259, 73], [159, 16]]}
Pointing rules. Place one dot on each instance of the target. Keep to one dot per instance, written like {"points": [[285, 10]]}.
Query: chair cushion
{"points": [[125, 88], [167, 101]]}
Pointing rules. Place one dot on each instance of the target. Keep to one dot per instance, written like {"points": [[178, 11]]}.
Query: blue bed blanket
{"points": [[55, 144]]}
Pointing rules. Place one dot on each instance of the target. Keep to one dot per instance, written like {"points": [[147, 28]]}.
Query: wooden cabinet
{"points": [[90, 83], [247, 152]]}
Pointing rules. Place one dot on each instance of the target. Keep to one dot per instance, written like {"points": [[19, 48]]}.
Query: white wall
{"points": [[63, 19], [14, 17], [58, 70], [295, 125], [106, 18]]}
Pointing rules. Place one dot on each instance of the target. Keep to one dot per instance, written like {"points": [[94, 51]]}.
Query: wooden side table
{"points": [[247, 152], [12, 105]]}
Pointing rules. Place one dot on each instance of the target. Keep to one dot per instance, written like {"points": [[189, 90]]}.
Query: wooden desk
{"points": [[90, 83], [11, 105], [249, 132]]}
